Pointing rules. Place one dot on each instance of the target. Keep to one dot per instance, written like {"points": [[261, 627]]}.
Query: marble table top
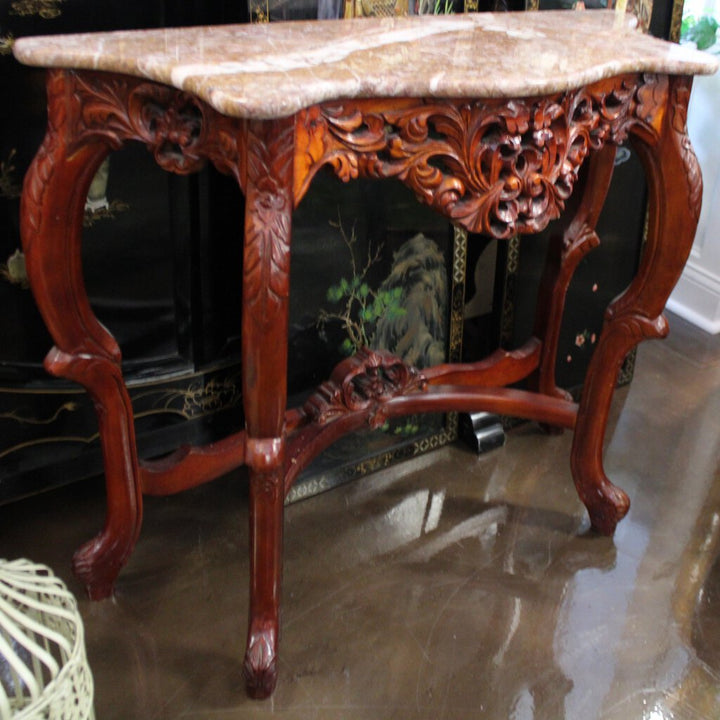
{"points": [[274, 70]]}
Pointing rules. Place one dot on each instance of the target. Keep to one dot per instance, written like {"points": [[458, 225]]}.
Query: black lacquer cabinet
{"points": [[160, 253]]}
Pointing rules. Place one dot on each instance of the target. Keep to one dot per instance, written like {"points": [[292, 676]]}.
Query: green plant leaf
{"points": [[703, 32], [687, 23]]}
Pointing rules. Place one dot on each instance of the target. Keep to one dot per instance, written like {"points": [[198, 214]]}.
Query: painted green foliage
{"points": [[360, 306]]}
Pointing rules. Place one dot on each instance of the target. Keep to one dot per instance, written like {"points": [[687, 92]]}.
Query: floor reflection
{"points": [[449, 587]]}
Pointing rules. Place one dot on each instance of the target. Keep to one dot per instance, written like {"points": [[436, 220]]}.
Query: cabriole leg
{"points": [[675, 186], [268, 214], [51, 225]]}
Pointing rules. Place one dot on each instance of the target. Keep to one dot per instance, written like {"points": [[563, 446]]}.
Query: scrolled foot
{"points": [[97, 564], [607, 505], [260, 666]]}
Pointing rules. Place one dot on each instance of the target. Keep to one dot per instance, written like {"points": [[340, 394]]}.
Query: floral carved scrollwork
{"points": [[651, 96], [167, 121], [362, 383], [180, 130], [496, 166], [172, 121]]}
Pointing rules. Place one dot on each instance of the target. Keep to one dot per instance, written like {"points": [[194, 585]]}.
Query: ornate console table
{"points": [[487, 118]]}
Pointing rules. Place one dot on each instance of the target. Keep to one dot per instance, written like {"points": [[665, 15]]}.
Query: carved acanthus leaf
{"points": [[681, 97], [43, 165], [270, 148]]}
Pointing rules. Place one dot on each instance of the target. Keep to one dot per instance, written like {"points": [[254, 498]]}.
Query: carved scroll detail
{"points": [[180, 130], [681, 97], [167, 121], [635, 327], [48, 176], [496, 166], [651, 95], [362, 383]]}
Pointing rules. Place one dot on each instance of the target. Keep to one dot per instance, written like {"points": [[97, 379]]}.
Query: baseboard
{"points": [[696, 298]]}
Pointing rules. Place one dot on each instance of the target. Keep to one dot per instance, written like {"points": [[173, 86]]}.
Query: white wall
{"points": [[697, 295]]}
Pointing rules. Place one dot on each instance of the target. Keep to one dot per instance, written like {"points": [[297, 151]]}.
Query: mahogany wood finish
{"points": [[565, 252], [191, 466], [675, 185], [51, 216], [495, 166], [265, 312]]}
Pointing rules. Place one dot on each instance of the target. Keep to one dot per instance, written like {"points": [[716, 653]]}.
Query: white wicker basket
{"points": [[44, 672]]}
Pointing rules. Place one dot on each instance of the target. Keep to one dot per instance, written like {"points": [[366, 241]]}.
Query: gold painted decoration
{"points": [[381, 8], [6, 43], [21, 417], [14, 270], [642, 10], [259, 11], [509, 298], [9, 184], [107, 212], [676, 20], [374, 8], [45, 9], [39, 421], [197, 399]]}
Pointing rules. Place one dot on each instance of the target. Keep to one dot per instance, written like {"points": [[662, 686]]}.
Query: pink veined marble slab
{"points": [[274, 70]]}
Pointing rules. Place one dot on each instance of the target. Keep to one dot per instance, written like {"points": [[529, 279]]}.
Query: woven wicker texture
{"points": [[43, 668]]}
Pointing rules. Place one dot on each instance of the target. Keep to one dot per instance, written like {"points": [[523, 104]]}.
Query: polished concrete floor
{"points": [[454, 586]]}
